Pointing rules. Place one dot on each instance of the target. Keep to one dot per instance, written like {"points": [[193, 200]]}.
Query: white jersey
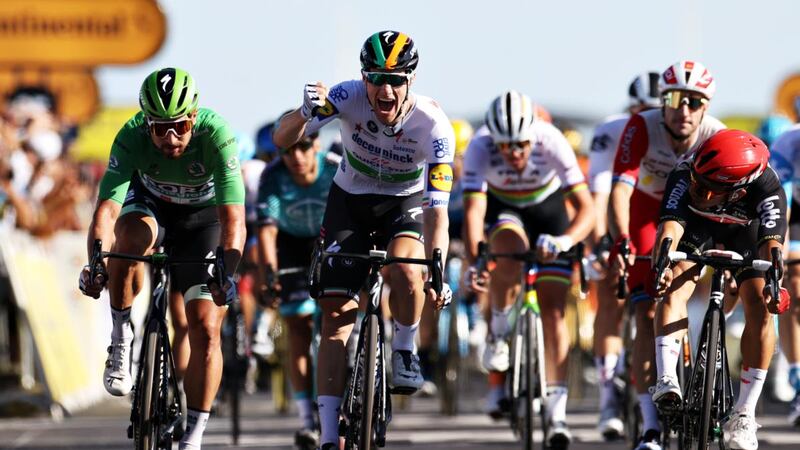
{"points": [[381, 160], [645, 156], [602, 151], [552, 165], [251, 174], [785, 159]]}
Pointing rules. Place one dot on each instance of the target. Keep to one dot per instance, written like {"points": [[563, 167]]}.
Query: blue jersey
{"points": [[294, 209]]}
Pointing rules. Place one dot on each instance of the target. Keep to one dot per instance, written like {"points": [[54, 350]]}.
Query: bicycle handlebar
{"points": [[775, 273], [625, 252]]}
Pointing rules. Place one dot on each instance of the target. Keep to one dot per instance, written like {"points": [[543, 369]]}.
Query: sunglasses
{"points": [[512, 147], [702, 189], [303, 146], [392, 79], [179, 127], [676, 99]]}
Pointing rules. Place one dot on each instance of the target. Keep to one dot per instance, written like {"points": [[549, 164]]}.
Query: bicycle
{"points": [[527, 380], [156, 410], [367, 409], [235, 348], [708, 394], [452, 342]]}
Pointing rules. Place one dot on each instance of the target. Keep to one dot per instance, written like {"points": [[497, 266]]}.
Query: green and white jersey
{"points": [[207, 173]]}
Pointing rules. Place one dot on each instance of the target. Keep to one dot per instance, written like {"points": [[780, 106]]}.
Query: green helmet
{"points": [[168, 93]]}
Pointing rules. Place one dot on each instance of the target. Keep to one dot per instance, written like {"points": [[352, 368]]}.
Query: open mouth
{"points": [[385, 105]]}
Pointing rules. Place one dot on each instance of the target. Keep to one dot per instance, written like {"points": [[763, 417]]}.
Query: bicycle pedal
{"points": [[669, 404], [402, 390]]}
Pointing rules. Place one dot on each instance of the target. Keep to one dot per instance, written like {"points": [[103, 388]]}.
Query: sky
{"points": [[251, 58]]}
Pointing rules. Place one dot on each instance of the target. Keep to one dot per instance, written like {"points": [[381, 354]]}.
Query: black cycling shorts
{"points": [[294, 251], [184, 231], [702, 234], [349, 221]]}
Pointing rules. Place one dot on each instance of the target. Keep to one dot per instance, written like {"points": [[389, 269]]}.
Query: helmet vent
{"points": [[508, 113], [704, 159], [184, 90]]}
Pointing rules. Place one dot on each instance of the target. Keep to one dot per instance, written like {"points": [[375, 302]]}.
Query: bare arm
{"points": [[474, 215], [232, 237], [600, 216], [267, 246], [435, 230], [620, 209], [102, 226], [290, 129], [581, 225]]}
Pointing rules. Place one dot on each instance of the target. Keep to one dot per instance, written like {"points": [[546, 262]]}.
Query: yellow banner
{"points": [[80, 32], [74, 88]]}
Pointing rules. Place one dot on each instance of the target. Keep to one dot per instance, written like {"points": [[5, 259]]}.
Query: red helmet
{"points": [[729, 159]]}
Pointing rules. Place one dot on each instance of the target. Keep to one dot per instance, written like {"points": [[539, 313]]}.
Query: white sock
{"points": [[306, 411], [329, 408], [752, 381], [121, 324], [649, 413], [667, 352], [403, 338], [557, 402], [196, 422], [499, 325], [605, 371]]}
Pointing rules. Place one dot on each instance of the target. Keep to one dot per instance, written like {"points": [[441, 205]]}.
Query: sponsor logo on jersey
{"points": [[338, 94], [375, 150], [768, 212], [676, 194], [372, 126], [196, 169], [327, 110], [625, 145], [441, 148], [436, 202], [232, 163], [440, 177], [113, 162]]}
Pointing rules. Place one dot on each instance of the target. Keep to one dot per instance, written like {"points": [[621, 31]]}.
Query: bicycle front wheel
{"points": [[363, 414], [145, 427], [529, 377], [712, 344]]}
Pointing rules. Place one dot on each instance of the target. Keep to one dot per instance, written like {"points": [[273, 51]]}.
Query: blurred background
{"points": [[70, 72]]}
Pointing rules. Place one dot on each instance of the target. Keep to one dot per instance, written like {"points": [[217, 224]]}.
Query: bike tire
{"points": [[453, 364], [712, 342], [529, 377], [145, 428], [368, 379], [541, 377]]}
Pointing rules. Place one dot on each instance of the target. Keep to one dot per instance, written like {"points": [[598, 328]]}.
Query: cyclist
{"points": [[174, 174], [291, 202], [518, 173], [650, 146], [726, 195], [265, 147], [395, 178], [643, 95], [785, 159]]}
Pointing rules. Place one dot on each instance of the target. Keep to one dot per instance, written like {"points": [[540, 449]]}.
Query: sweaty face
{"points": [[385, 98], [172, 138], [684, 116]]}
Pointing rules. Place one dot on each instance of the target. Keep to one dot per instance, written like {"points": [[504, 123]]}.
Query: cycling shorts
{"points": [[184, 231], [295, 251], [794, 227], [642, 226], [348, 225], [547, 217], [702, 234]]}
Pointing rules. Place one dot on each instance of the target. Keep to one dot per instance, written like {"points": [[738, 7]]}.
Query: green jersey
{"points": [[207, 173]]}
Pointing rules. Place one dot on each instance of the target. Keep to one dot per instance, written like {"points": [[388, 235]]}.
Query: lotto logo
{"points": [[440, 177]]}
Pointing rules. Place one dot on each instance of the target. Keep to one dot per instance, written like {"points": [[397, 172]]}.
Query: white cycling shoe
{"points": [[667, 394], [406, 373], [117, 375], [496, 355], [739, 432]]}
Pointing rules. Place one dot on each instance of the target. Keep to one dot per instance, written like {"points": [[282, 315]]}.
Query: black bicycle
{"points": [[156, 410], [527, 380], [235, 346], [708, 394], [367, 408]]}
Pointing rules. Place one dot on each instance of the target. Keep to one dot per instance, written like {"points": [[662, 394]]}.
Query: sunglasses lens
{"points": [[162, 128], [676, 99], [379, 79]]}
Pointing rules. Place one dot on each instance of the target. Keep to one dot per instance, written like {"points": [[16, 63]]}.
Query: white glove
{"points": [[447, 295], [313, 99], [553, 244]]}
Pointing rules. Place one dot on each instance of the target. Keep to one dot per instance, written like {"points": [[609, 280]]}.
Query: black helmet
{"points": [[389, 51]]}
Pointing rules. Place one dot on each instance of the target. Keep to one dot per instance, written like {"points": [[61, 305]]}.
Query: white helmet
{"points": [[688, 76], [510, 117], [644, 91]]}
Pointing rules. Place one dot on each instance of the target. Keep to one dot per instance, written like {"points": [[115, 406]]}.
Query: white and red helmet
{"points": [[688, 76]]}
